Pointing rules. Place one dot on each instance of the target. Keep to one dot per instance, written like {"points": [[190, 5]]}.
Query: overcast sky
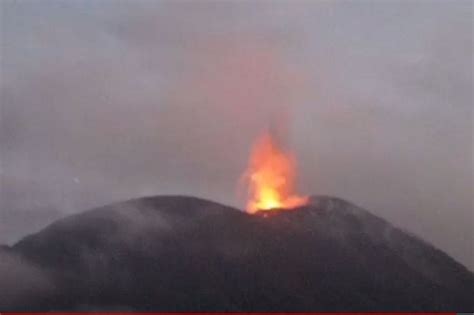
{"points": [[103, 101]]}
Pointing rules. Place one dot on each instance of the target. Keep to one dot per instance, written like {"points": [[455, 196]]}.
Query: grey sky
{"points": [[103, 101]]}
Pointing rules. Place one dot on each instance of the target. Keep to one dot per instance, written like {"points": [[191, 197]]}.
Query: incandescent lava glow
{"points": [[270, 177]]}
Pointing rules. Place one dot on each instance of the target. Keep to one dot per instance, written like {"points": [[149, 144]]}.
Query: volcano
{"points": [[174, 253]]}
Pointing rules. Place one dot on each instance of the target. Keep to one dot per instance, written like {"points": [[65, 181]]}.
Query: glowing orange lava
{"points": [[270, 177]]}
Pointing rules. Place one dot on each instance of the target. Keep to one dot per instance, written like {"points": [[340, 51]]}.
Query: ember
{"points": [[270, 177]]}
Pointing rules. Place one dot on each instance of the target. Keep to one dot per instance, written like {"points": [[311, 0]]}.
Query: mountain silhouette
{"points": [[175, 253]]}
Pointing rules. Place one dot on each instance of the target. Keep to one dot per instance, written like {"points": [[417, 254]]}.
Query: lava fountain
{"points": [[270, 177]]}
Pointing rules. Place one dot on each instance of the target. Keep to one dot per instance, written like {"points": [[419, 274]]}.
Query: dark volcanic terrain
{"points": [[171, 253]]}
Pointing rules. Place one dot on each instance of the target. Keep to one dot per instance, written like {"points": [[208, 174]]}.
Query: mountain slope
{"points": [[172, 253]]}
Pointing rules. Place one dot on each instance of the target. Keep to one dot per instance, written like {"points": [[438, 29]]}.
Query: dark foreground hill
{"points": [[189, 254]]}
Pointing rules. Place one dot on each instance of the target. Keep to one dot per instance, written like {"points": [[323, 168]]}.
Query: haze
{"points": [[102, 101]]}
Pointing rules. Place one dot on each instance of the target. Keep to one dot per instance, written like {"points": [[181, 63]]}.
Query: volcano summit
{"points": [[171, 253]]}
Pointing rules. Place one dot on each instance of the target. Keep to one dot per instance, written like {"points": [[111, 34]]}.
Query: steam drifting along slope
{"points": [[183, 253]]}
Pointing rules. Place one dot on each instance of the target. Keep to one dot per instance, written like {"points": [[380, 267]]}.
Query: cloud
{"points": [[142, 98], [21, 281]]}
